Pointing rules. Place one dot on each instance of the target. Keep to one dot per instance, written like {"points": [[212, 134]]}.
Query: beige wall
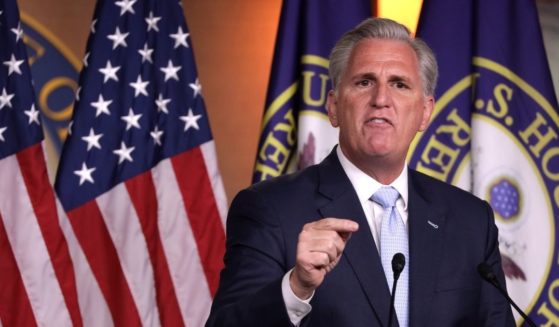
{"points": [[233, 43]]}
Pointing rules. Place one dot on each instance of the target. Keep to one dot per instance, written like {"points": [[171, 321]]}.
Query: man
{"points": [[314, 248]]}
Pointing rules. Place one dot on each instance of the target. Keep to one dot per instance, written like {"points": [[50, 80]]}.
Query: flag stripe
{"points": [[202, 212], [94, 308], [30, 252], [210, 158], [180, 248], [142, 193], [130, 244], [91, 231], [34, 172], [15, 308]]}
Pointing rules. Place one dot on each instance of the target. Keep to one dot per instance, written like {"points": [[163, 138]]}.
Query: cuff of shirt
{"points": [[297, 309]]}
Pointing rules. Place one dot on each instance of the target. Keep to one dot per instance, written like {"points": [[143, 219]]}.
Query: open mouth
{"points": [[377, 120]]}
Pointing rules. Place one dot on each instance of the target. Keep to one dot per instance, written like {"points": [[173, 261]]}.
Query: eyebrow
{"points": [[399, 78], [391, 78], [367, 75]]}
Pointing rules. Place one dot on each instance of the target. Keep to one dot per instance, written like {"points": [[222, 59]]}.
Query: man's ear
{"points": [[428, 106], [332, 107]]}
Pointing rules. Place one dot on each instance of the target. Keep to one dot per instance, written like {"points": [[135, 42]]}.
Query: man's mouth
{"points": [[378, 120]]}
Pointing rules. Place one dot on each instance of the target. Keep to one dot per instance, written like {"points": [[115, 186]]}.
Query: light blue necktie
{"points": [[394, 239]]}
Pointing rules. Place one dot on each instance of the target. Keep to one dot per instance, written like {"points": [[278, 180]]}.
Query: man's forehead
{"points": [[384, 50], [386, 57]]}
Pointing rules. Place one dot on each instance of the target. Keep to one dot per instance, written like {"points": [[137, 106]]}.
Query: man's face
{"points": [[379, 105]]}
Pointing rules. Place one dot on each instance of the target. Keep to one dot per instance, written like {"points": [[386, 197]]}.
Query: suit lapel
{"points": [[360, 251], [426, 234]]}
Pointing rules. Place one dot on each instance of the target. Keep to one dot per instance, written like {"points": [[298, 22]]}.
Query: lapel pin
{"points": [[435, 226]]}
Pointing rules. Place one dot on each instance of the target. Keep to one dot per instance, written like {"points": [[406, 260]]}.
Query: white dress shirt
{"points": [[365, 186]]}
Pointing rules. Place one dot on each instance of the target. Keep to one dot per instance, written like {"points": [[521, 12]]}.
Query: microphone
{"points": [[398, 263], [487, 273]]}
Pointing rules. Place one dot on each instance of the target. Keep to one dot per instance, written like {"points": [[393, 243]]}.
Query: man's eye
{"points": [[400, 85], [365, 82]]}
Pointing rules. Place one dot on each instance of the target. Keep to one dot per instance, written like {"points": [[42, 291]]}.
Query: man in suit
{"points": [[313, 248]]}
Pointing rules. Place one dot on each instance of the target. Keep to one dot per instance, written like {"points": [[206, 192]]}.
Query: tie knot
{"points": [[386, 196]]}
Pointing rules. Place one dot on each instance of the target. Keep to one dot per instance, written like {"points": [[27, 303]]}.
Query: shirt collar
{"points": [[365, 186]]}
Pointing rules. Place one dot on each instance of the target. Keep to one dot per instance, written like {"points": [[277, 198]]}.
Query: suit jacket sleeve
{"points": [[249, 293]]}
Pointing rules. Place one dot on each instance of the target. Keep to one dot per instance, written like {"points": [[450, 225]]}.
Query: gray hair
{"points": [[383, 28]]}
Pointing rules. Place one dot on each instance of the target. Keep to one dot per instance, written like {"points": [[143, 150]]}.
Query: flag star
{"points": [[156, 134], [109, 72], [197, 87], [152, 22], [126, 6], [92, 26], [18, 32], [13, 65], [146, 53], [33, 115], [85, 174], [180, 38], [78, 91], [5, 99], [2, 130], [162, 103], [131, 119], [171, 71], [118, 38], [124, 153], [92, 140], [102, 106], [140, 86], [190, 120]]}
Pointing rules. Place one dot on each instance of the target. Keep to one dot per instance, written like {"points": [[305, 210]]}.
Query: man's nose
{"points": [[380, 95]]}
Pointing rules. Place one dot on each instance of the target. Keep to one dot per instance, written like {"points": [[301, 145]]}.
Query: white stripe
{"points": [[128, 238], [208, 151], [180, 248], [93, 307], [29, 248]]}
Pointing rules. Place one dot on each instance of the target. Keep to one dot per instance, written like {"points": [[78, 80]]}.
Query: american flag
{"points": [[37, 281], [138, 177]]}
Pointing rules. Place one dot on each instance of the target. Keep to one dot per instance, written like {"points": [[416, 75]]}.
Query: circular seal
{"points": [[495, 135]]}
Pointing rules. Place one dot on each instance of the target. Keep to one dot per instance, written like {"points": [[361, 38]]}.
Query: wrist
{"points": [[302, 292]]}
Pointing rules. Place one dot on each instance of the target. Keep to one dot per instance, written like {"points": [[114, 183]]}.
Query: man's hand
{"points": [[319, 249]]}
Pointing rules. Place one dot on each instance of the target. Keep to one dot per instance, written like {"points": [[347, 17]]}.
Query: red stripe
{"points": [[15, 308], [197, 193], [34, 170], [144, 199], [94, 238]]}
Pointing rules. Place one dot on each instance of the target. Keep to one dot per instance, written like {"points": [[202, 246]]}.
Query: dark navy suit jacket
{"points": [[450, 233]]}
